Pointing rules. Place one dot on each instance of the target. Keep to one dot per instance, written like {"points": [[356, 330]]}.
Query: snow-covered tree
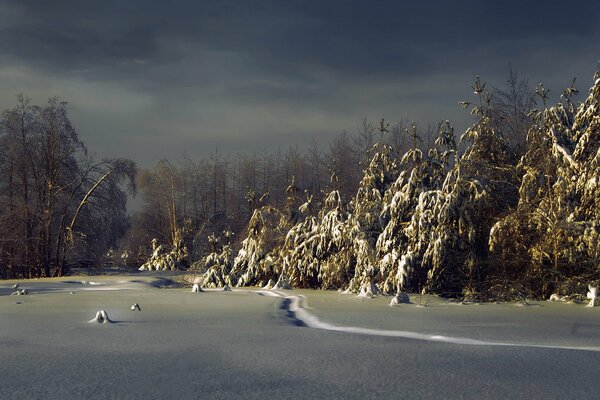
{"points": [[316, 251], [256, 262], [558, 210], [409, 212], [219, 262], [490, 222], [477, 191], [163, 260], [365, 223]]}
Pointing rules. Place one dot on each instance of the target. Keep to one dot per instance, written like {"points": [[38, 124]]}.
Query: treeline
{"points": [[192, 199], [509, 211], [58, 207]]}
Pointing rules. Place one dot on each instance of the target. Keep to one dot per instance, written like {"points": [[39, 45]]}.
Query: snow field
{"points": [[259, 343]]}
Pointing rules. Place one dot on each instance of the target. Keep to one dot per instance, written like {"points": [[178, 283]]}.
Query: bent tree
{"points": [[57, 205]]}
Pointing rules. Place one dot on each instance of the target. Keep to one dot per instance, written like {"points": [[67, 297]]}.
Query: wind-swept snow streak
{"points": [[297, 311]]}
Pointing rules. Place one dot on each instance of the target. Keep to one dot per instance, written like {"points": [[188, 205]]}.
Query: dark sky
{"points": [[156, 79]]}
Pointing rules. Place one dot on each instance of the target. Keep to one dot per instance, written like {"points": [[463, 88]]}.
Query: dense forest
{"points": [[507, 210]]}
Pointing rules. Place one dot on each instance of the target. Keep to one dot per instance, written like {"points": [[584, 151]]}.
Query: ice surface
{"points": [[301, 314]]}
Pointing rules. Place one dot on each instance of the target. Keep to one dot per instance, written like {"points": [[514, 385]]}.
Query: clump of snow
{"points": [[101, 317], [400, 298], [555, 297], [136, 306], [593, 296], [196, 288], [368, 290]]}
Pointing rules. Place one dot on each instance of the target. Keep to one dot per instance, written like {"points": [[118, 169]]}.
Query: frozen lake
{"points": [[254, 344]]}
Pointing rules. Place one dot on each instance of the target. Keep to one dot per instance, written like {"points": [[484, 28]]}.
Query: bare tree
{"points": [[51, 189], [511, 111]]}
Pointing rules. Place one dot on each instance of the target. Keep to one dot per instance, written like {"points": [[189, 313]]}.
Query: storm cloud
{"points": [[154, 79]]}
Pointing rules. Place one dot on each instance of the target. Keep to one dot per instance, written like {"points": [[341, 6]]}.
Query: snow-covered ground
{"points": [[257, 344]]}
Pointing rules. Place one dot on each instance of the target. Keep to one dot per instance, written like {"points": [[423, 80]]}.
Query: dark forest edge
{"points": [[509, 211]]}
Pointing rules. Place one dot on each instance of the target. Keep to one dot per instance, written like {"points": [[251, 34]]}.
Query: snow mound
{"points": [[556, 297], [101, 317], [196, 288], [400, 298], [368, 290], [593, 296]]}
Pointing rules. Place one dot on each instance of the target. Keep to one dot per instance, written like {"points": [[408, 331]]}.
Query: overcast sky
{"points": [[156, 79]]}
